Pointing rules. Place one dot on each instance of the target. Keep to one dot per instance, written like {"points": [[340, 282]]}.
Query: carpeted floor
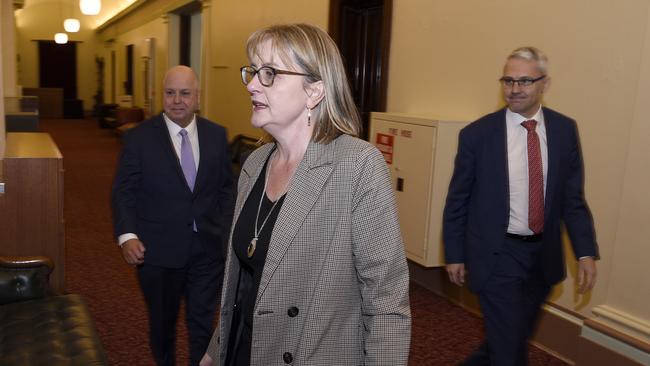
{"points": [[443, 333]]}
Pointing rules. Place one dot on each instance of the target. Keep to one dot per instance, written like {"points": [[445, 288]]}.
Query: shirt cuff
{"points": [[124, 237], [586, 256]]}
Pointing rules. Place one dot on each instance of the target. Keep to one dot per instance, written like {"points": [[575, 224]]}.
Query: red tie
{"points": [[535, 180]]}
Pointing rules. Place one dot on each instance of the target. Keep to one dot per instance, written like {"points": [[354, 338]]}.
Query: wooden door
{"points": [[361, 29]]}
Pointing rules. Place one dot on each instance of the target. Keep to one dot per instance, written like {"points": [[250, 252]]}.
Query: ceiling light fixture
{"points": [[90, 7]]}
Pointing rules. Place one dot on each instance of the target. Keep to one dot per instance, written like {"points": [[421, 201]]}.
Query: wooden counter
{"points": [[31, 209], [50, 101]]}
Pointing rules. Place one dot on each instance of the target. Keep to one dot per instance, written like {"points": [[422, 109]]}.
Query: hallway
{"points": [[443, 333]]}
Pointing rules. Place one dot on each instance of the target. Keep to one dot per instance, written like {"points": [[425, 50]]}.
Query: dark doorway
{"points": [[361, 29], [188, 39], [113, 78], [128, 84], [185, 39], [58, 67]]}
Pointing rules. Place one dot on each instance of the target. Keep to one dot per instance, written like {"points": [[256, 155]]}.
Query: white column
{"points": [[173, 38], [206, 32]]}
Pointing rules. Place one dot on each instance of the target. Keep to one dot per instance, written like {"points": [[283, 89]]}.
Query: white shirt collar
{"points": [[174, 129], [514, 119]]}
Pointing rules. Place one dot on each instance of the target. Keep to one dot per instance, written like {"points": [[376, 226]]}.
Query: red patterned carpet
{"points": [[443, 333]]}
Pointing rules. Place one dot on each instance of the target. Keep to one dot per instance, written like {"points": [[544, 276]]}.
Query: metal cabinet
{"points": [[420, 154]]}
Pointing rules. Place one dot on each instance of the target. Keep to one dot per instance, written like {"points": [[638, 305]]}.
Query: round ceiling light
{"points": [[71, 25]]}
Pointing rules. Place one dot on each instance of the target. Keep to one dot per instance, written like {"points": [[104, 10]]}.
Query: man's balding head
{"points": [[180, 94]]}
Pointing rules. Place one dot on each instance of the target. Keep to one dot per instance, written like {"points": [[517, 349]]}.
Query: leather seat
{"points": [[39, 329]]}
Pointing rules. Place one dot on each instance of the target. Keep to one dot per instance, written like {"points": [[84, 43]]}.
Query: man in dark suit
{"points": [[172, 202], [518, 175]]}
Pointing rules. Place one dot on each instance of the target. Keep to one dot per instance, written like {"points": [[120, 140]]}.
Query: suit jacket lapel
{"points": [[553, 161], [500, 146], [168, 147], [305, 187], [204, 146]]}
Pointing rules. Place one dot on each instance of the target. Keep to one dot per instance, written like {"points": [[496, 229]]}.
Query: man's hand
{"points": [[586, 274], [456, 273], [206, 360], [133, 252]]}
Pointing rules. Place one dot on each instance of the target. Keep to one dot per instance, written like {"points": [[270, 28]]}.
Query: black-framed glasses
{"points": [[266, 74], [510, 82]]}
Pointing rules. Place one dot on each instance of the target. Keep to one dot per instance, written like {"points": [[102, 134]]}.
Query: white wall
{"points": [[3, 15]]}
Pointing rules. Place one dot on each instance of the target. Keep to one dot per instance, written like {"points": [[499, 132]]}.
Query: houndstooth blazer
{"points": [[334, 289]]}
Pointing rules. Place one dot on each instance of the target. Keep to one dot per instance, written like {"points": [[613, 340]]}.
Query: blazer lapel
{"points": [[306, 185], [250, 172]]}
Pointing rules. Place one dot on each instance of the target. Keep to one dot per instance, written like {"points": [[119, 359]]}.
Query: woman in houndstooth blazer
{"points": [[316, 272]]}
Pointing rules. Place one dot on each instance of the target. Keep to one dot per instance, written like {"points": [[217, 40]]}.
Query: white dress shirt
{"points": [[174, 135], [517, 137]]}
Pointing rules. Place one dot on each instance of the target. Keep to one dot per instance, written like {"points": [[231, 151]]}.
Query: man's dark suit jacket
{"points": [[476, 214], [151, 197]]}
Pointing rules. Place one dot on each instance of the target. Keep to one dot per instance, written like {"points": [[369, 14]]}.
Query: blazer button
{"points": [[292, 312], [287, 357]]}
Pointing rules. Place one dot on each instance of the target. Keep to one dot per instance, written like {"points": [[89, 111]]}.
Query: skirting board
{"points": [[571, 338], [635, 329]]}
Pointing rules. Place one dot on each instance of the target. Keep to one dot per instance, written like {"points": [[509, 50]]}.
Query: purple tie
{"points": [[187, 159]]}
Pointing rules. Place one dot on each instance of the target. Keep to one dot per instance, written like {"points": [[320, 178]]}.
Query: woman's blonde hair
{"points": [[315, 53]]}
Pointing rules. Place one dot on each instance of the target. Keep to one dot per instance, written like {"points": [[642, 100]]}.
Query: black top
{"points": [[250, 274]]}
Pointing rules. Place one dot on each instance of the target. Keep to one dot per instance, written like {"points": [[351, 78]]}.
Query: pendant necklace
{"points": [[253, 244]]}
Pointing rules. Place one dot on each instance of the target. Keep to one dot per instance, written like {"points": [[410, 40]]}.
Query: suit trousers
{"points": [[511, 301], [199, 282]]}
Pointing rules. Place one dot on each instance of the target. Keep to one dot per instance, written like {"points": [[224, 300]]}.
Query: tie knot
{"points": [[183, 132], [529, 125]]}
